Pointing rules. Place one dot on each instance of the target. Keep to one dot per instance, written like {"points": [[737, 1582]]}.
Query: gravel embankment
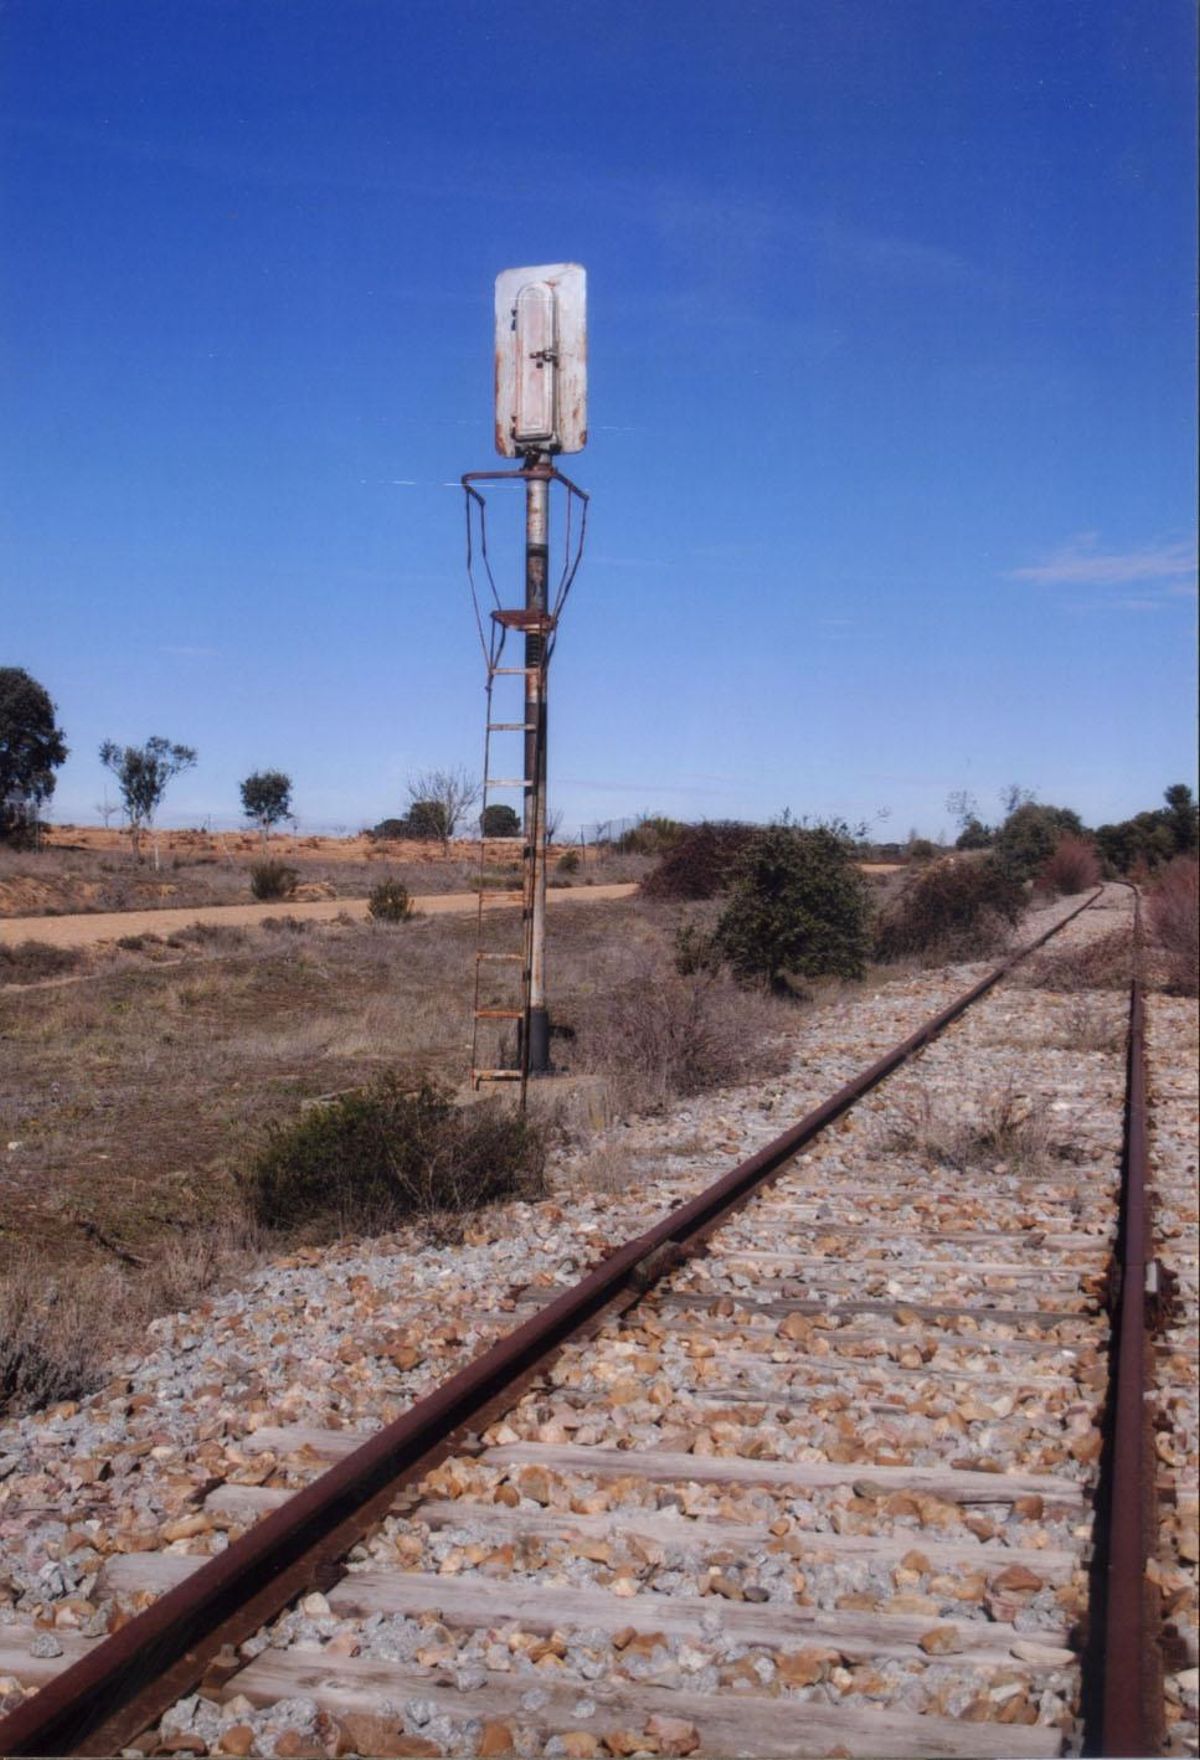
{"points": [[169, 1458], [1171, 1046]]}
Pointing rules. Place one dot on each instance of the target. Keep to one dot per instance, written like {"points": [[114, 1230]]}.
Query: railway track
{"points": [[809, 1467]]}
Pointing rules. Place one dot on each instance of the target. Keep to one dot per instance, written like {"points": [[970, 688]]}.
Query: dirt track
{"points": [[86, 930]]}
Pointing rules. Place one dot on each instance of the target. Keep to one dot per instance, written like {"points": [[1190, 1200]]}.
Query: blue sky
{"points": [[891, 392]]}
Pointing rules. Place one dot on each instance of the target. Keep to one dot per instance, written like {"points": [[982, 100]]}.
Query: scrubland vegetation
{"points": [[171, 1102]]}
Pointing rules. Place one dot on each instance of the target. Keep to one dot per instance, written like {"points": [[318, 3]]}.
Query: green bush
{"points": [[389, 902], [272, 880], [389, 828], [1028, 837], [958, 908], [500, 820], [798, 904], [387, 1155], [701, 863], [695, 951], [921, 849], [568, 862], [650, 837]]}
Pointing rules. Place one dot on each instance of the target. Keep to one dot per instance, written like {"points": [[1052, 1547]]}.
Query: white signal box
{"points": [[541, 359]]}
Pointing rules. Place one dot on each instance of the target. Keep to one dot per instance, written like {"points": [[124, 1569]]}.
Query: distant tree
{"points": [[964, 810], [441, 799], [1013, 795], [1150, 839], [142, 774], [31, 748], [1030, 834], [1183, 817], [500, 821], [267, 799], [975, 835], [106, 809], [962, 805], [425, 821], [1146, 840]]}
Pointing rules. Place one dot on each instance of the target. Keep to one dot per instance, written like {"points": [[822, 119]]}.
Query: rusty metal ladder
{"points": [[495, 1009]]}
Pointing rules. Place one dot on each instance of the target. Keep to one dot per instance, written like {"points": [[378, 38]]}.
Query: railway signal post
{"points": [[541, 411]]}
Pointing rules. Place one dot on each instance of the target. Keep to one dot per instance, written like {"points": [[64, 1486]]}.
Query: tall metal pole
{"points": [[537, 551]]}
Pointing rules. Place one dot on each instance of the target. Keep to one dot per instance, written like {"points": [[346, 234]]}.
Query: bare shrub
{"points": [[184, 1267], [1087, 1024], [390, 902], [30, 960], [1173, 906], [959, 908], [667, 1034], [59, 1331], [1072, 866], [1005, 1128], [50, 1347], [605, 1169], [390, 1154], [210, 937], [272, 880], [1103, 964], [700, 863]]}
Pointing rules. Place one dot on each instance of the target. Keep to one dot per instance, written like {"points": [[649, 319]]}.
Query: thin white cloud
{"points": [[1081, 562]]}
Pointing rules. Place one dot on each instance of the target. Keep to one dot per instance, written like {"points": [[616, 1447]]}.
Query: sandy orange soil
{"points": [[91, 930], [359, 848]]}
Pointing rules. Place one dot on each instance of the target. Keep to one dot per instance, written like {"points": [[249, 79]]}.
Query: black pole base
{"points": [[539, 1042]]}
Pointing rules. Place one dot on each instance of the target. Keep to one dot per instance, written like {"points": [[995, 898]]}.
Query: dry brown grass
{"points": [[1005, 1128], [31, 961], [663, 1035], [58, 1331], [1092, 1023], [1105, 963], [1174, 910], [134, 1097]]}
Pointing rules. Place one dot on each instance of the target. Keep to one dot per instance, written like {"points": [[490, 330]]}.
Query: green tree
{"points": [[31, 747], [1182, 815], [267, 799], [499, 820], [1028, 837], [142, 774], [975, 835], [798, 904]]}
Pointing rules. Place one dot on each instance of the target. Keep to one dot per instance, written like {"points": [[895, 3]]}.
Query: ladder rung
{"points": [[495, 1075], [518, 958], [512, 726], [500, 1014], [515, 671]]}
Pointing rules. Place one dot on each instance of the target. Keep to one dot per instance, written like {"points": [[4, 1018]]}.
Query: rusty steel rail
{"points": [[1126, 1654], [187, 1637]]}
